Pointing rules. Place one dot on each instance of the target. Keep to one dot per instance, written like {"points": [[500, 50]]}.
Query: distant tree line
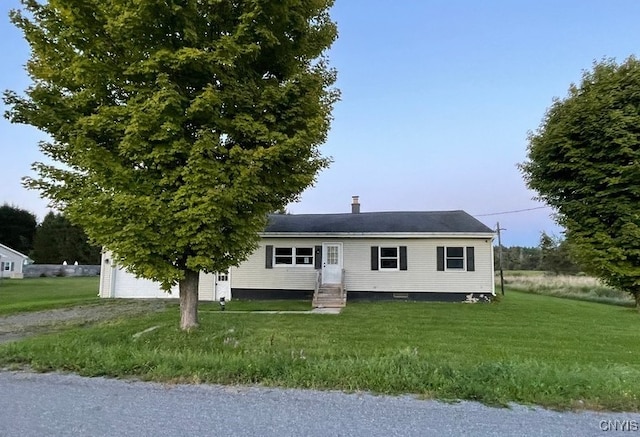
{"points": [[553, 254], [53, 241]]}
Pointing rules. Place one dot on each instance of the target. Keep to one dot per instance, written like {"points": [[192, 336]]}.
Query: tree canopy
{"points": [[58, 240], [180, 123], [584, 160], [17, 228]]}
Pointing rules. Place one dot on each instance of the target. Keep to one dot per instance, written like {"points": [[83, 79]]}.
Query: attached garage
{"points": [[116, 282]]}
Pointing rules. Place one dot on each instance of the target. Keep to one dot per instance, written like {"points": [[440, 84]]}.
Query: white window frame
{"points": [[447, 258], [397, 258], [294, 257]]}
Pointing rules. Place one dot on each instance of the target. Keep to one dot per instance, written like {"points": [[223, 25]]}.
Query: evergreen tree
{"points": [[57, 240], [17, 228]]}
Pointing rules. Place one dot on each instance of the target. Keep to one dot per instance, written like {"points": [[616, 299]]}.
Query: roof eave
{"points": [[14, 251], [485, 235]]}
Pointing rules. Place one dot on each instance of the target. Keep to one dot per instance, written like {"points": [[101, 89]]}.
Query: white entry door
{"points": [[223, 285], [331, 263]]}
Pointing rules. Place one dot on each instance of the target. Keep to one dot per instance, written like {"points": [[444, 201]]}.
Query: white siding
{"points": [[421, 274], [117, 282], [105, 289], [253, 274], [6, 258]]}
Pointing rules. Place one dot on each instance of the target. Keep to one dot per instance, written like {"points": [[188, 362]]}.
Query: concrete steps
{"points": [[329, 296]]}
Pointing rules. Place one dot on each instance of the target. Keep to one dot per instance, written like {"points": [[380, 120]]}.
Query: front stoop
{"points": [[329, 296]]}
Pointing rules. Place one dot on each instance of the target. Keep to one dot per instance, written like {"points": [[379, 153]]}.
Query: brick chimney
{"points": [[355, 205]]}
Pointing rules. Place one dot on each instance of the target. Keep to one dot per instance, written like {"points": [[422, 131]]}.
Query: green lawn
{"points": [[527, 348], [35, 294], [256, 305]]}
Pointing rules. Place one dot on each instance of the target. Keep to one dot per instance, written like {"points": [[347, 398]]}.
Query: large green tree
{"points": [[584, 160], [58, 240], [17, 228], [180, 123]]}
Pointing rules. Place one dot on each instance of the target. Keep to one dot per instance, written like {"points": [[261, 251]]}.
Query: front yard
{"points": [[527, 348]]}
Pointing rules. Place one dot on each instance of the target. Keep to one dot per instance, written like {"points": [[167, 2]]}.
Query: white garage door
{"points": [[128, 286]]}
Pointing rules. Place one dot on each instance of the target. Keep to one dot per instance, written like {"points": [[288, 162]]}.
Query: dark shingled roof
{"points": [[377, 222]]}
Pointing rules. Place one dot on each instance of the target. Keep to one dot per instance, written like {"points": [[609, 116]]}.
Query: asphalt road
{"points": [[68, 405]]}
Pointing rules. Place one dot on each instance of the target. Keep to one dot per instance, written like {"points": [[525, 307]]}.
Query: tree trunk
{"points": [[189, 300], [637, 296]]}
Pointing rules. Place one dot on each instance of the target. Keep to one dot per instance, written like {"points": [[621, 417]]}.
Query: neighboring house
{"points": [[11, 262], [438, 255]]}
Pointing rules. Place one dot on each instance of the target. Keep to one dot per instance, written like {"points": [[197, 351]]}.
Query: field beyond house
{"points": [[528, 348], [579, 287]]}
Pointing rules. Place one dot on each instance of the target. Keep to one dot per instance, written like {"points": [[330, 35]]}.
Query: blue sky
{"points": [[437, 100]]}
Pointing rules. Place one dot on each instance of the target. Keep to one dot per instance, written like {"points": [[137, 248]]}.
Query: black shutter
{"points": [[403, 257], [440, 258], [471, 261], [268, 262], [318, 258], [374, 257]]}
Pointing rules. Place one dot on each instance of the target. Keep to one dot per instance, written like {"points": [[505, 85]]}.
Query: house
{"points": [[332, 258], [11, 262]]}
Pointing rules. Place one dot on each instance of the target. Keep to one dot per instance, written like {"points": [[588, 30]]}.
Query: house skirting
{"points": [[353, 296], [262, 294]]}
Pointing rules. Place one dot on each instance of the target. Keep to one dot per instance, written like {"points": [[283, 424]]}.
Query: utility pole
{"points": [[498, 229]]}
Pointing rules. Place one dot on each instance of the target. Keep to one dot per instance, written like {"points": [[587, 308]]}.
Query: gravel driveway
{"points": [[68, 405], [17, 326]]}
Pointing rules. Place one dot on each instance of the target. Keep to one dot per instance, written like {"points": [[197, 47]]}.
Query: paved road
{"points": [[68, 405]]}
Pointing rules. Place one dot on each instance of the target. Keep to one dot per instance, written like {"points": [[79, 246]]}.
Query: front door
{"points": [[223, 285], [331, 263]]}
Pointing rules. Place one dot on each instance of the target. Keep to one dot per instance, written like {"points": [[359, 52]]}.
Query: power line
{"points": [[512, 212]]}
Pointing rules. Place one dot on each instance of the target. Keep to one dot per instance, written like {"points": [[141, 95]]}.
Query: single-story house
{"points": [[332, 258], [11, 262]]}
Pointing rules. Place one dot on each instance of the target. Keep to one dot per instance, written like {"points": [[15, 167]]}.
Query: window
{"points": [[304, 256], [333, 255], [223, 276], [388, 258], [284, 255], [293, 256], [8, 266], [455, 258]]}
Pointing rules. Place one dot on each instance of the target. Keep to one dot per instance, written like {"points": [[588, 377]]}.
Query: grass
{"points": [[567, 286], [35, 294], [257, 305], [528, 348]]}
